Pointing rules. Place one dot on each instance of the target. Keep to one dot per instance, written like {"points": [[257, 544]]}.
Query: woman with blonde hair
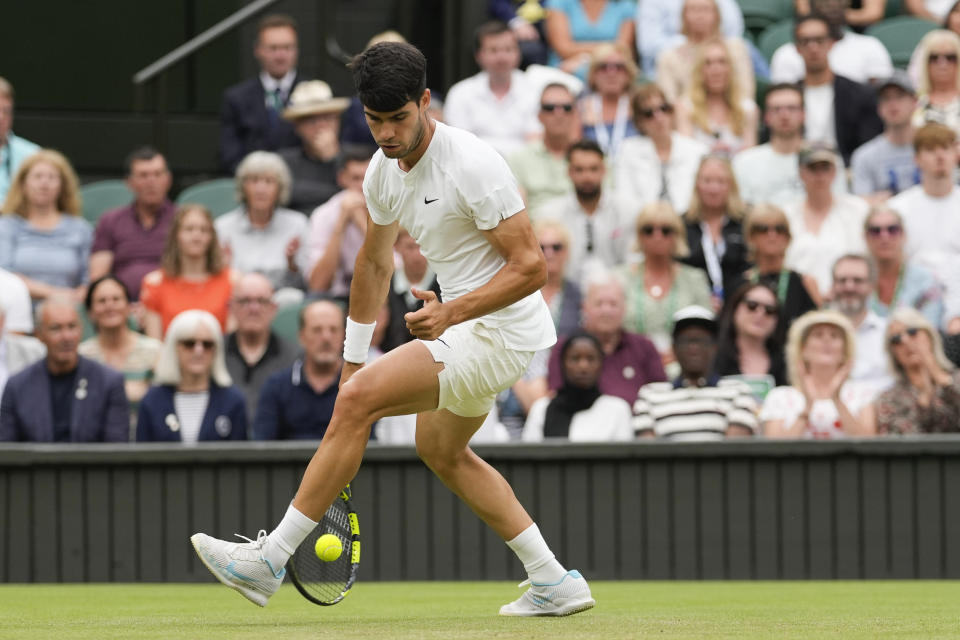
{"points": [[660, 286], [700, 22], [767, 232], [821, 402], [714, 229], [43, 239], [938, 86], [193, 398], [561, 294], [192, 273], [714, 109], [605, 110], [926, 395]]}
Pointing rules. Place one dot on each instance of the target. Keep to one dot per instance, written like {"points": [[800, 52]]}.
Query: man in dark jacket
{"points": [[64, 397], [250, 116]]}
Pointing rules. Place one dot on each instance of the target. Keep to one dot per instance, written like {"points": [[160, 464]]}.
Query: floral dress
{"points": [[899, 412]]}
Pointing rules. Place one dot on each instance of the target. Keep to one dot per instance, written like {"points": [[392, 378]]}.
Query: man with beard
{"points": [[600, 235], [854, 277]]}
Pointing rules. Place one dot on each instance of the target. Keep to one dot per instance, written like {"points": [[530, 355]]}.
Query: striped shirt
{"points": [[694, 413], [190, 408]]}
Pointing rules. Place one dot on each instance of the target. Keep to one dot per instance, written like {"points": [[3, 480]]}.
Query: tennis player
{"points": [[457, 197]]}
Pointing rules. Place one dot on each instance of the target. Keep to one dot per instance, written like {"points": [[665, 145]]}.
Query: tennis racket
{"points": [[327, 583]]}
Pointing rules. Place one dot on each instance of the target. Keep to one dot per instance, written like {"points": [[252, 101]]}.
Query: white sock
{"points": [[284, 540], [532, 550]]}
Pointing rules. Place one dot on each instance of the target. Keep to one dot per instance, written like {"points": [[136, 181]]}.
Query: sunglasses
{"points": [[879, 230], [820, 40], [648, 230], [550, 107], [191, 344], [556, 247], [649, 113], [768, 309], [780, 229], [946, 57], [897, 338], [611, 66]]}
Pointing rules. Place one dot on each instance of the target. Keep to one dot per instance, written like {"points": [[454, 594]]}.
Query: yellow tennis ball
{"points": [[328, 547]]}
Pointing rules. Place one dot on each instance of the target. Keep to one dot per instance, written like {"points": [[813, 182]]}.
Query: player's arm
{"points": [[525, 271]]}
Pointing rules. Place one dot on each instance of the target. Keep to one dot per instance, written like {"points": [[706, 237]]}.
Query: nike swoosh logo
{"points": [[425, 201], [230, 569]]}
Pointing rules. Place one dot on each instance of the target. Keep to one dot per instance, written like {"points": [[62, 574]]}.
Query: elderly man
{"points": [[631, 360], [64, 397], [16, 351], [541, 166], [315, 115], [600, 233], [253, 351], [296, 403], [129, 241], [854, 278], [13, 149], [337, 228], [498, 104], [697, 405], [250, 116]]}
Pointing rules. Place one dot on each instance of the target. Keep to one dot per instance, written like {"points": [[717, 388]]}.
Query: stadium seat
{"points": [[773, 37], [760, 14], [893, 8], [220, 195], [286, 322], [900, 35], [103, 196]]}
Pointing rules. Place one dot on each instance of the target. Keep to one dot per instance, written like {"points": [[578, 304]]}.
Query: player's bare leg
{"points": [[402, 381], [442, 443]]}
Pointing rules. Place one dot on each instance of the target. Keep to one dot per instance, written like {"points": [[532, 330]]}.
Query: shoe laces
{"points": [[525, 583], [259, 542]]}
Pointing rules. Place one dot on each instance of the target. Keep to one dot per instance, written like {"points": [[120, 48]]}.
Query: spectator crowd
{"points": [[736, 245]]}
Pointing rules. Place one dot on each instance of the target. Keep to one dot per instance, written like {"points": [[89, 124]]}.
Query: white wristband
{"points": [[356, 343]]}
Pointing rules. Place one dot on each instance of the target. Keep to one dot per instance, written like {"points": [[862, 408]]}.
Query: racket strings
{"points": [[326, 581]]}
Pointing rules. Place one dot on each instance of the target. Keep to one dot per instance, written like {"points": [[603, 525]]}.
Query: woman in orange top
{"points": [[192, 273]]}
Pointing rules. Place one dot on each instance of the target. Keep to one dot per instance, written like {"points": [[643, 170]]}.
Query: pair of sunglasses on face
{"points": [[879, 230], [648, 230], [768, 309], [781, 229], [897, 338], [649, 113], [191, 344]]}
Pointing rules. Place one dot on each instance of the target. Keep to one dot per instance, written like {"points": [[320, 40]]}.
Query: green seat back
{"points": [[760, 14], [775, 36], [102, 196], [220, 195], [286, 323], [900, 35]]}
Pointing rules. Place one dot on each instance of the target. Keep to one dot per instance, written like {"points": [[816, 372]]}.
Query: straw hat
{"points": [[311, 98]]}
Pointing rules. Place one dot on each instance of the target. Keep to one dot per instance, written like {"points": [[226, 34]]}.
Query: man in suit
{"points": [[64, 397], [839, 111], [250, 117]]}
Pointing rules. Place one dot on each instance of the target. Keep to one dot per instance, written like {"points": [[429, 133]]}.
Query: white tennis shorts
{"points": [[476, 367]]}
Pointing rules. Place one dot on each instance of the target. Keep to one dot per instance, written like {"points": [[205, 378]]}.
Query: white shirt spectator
{"points": [[15, 301], [506, 123], [602, 238], [871, 366], [840, 233], [855, 56], [264, 250], [763, 175], [639, 178], [658, 27], [787, 403], [607, 420], [933, 237]]}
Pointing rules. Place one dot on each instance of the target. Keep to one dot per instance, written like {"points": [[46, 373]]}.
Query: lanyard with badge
{"points": [[783, 283], [609, 143], [711, 255]]}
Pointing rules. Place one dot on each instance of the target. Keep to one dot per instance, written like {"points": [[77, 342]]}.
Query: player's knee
{"points": [[354, 404], [441, 459]]}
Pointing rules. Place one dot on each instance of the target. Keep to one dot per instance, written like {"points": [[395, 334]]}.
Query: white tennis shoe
{"points": [[568, 596], [240, 566]]}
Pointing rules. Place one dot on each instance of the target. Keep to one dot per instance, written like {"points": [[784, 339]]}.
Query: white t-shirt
{"points": [[841, 232], [460, 187], [871, 366], [640, 177], [933, 236], [15, 302], [607, 420], [786, 403], [938, 8], [507, 122], [819, 124], [855, 56], [763, 175]]}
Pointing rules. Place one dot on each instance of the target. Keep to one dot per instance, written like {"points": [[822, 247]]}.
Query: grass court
{"points": [[445, 610]]}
